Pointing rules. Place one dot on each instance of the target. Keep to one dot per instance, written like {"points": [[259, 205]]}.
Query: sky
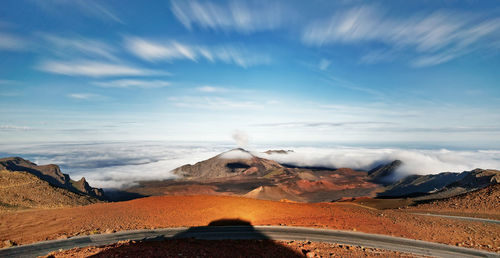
{"points": [[406, 73]]}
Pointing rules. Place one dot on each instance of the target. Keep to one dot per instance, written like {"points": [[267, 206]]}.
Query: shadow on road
{"points": [[206, 241]]}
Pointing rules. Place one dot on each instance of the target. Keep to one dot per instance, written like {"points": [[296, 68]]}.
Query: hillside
{"points": [[442, 185], [241, 173], [51, 174], [21, 190], [231, 163], [485, 201]]}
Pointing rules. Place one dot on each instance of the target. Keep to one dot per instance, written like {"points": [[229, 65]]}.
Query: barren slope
{"points": [[20, 190], [482, 203], [52, 174], [173, 211]]}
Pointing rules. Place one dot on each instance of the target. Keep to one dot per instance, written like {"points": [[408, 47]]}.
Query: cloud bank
{"points": [[122, 164], [415, 161]]}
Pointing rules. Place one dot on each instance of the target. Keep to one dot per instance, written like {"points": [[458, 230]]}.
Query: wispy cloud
{"points": [[85, 96], [339, 82], [211, 89], [325, 124], [240, 16], [205, 102], [324, 64], [94, 69], [9, 82], [68, 47], [14, 128], [10, 42], [130, 83], [91, 8], [440, 36], [152, 51]]}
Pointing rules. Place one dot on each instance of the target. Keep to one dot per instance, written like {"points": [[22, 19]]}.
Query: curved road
{"points": [[251, 232], [458, 217]]}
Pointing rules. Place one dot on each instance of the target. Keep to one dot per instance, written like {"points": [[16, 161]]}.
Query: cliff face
{"points": [[51, 174]]}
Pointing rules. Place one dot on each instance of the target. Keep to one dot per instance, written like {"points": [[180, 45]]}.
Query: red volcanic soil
{"points": [[30, 226], [227, 248]]}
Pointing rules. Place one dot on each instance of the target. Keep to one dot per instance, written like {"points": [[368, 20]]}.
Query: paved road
{"points": [[249, 232], [459, 217]]}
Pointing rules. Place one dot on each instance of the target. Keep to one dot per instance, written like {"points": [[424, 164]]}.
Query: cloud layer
{"points": [[415, 161], [121, 164]]}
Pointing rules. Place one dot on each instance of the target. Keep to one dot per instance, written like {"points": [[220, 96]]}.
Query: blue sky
{"points": [[348, 72]]}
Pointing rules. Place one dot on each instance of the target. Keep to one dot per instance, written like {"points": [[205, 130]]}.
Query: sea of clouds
{"points": [[122, 164]]}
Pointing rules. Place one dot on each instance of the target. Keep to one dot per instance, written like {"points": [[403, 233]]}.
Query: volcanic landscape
{"points": [[238, 185]]}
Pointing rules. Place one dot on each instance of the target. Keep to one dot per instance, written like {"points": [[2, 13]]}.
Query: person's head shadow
{"points": [[220, 238]]}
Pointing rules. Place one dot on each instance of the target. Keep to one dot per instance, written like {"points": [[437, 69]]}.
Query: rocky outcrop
{"points": [[23, 190], [51, 174], [442, 185]]}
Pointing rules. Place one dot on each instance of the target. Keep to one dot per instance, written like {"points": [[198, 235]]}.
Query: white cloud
{"points": [[11, 42], [324, 64], [211, 89], [112, 165], [130, 83], [125, 163], [153, 51], [241, 138], [84, 96], [214, 103], [9, 82], [433, 34], [14, 128], [415, 161], [240, 16], [172, 50], [94, 69], [235, 154], [91, 8], [66, 46], [239, 56]]}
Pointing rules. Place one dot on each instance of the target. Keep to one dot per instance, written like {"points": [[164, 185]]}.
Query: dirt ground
{"points": [[483, 203], [22, 227], [227, 248]]}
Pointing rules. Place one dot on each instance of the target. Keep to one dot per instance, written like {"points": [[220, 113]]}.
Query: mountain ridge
{"points": [[52, 174]]}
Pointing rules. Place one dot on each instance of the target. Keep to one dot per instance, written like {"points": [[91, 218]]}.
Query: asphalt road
{"points": [[459, 217], [250, 232]]}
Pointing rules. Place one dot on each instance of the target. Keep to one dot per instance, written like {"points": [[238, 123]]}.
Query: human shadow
{"points": [[220, 238]]}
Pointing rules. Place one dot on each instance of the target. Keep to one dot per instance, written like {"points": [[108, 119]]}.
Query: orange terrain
{"points": [[23, 227]]}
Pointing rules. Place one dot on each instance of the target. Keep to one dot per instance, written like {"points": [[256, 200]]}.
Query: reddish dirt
{"points": [[30, 226], [481, 203], [227, 248]]}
